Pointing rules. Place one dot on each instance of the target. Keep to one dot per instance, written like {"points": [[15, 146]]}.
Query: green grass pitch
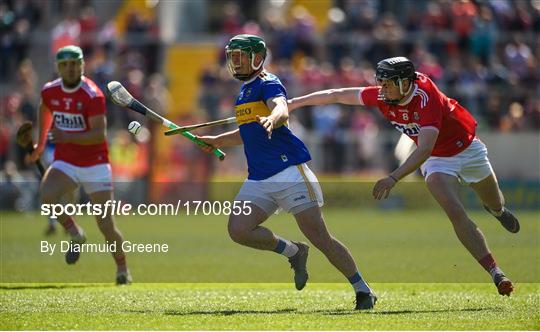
{"points": [[424, 278]]}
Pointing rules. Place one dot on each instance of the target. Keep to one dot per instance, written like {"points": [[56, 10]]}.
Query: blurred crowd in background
{"points": [[484, 53], [130, 57]]}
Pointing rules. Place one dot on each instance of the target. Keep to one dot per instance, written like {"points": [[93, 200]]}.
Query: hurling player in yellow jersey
{"points": [[278, 175]]}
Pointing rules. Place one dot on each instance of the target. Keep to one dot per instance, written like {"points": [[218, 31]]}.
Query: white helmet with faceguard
{"points": [[250, 46]]}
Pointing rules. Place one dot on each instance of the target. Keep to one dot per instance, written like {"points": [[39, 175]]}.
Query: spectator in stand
{"points": [[484, 35], [463, 13], [303, 30], [5, 140], [210, 92], [129, 162], [517, 55], [388, 36], [89, 29], [156, 96], [66, 32], [232, 19], [435, 21]]}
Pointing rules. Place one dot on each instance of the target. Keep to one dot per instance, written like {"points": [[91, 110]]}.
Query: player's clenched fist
{"points": [[267, 124], [57, 136], [382, 187], [35, 154]]}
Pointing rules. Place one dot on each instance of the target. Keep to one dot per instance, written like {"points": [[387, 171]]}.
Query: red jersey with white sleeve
{"points": [[427, 107], [71, 109]]}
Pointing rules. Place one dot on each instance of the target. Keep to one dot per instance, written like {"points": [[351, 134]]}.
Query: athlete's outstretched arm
{"points": [[348, 96], [95, 135], [426, 141], [230, 138]]}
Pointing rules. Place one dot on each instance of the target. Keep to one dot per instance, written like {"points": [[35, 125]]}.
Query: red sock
{"points": [[488, 262], [70, 226], [120, 260]]}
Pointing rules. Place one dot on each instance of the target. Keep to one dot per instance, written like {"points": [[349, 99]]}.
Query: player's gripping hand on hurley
{"points": [[211, 141], [230, 138]]}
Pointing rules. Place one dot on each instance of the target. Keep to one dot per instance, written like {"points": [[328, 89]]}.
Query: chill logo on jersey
{"points": [[410, 129], [69, 121], [247, 112]]}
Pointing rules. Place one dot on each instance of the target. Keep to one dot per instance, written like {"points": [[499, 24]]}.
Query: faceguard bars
{"points": [[250, 45], [396, 69]]}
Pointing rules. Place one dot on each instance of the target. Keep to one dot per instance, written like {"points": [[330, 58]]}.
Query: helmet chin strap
{"points": [[403, 94], [255, 68]]}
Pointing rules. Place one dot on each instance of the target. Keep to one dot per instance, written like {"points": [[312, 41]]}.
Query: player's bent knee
{"points": [[437, 179], [238, 236], [237, 231], [50, 196]]}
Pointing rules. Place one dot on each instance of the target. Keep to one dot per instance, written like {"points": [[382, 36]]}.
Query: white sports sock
{"points": [[497, 213], [359, 284], [79, 238], [494, 271], [290, 248]]}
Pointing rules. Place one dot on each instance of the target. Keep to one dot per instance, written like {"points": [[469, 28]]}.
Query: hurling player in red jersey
{"points": [[72, 114], [447, 152]]}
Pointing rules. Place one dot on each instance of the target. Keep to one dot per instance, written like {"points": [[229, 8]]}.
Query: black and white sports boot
{"points": [[298, 264], [504, 285], [507, 220], [365, 301], [123, 278], [72, 256]]}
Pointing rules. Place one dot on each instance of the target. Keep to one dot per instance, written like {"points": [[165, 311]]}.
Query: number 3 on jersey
{"points": [[67, 101]]}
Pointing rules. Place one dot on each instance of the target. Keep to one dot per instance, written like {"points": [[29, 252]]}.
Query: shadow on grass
{"points": [[51, 286], [229, 312], [338, 312]]}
